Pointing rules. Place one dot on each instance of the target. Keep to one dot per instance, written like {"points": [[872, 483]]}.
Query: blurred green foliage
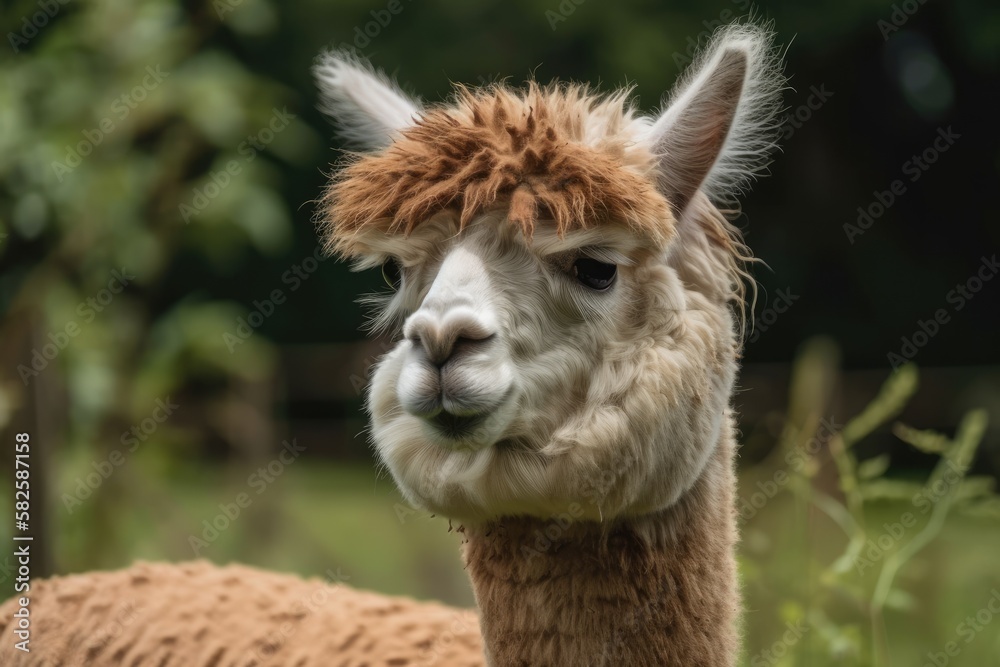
{"points": [[848, 572], [115, 115], [97, 157]]}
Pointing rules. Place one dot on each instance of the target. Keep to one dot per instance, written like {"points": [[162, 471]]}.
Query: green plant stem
{"points": [[970, 433]]}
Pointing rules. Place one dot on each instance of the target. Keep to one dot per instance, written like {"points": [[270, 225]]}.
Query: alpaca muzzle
{"points": [[456, 376]]}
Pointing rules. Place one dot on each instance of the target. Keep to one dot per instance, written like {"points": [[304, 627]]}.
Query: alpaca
{"points": [[567, 297], [564, 292]]}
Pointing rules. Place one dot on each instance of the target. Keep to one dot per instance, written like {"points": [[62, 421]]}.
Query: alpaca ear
{"points": [[370, 110], [721, 121]]}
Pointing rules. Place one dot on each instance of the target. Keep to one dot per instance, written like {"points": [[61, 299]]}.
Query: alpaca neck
{"points": [[654, 590]]}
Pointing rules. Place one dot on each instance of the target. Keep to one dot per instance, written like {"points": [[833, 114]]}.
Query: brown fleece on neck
{"points": [[526, 151], [661, 590]]}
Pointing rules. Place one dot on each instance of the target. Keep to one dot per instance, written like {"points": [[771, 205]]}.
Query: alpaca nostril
{"points": [[465, 343], [441, 344], [442, 350]]}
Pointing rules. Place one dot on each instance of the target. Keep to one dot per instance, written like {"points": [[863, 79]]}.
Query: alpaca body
{"points": [[201, 615]]}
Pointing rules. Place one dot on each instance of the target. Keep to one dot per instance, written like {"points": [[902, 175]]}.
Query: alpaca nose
{"points": [[456, 314], [442, 339]]}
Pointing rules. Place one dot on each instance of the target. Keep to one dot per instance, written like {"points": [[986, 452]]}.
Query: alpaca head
{"points": [[565, 289]]}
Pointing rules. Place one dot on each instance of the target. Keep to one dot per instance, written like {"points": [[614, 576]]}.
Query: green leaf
{"points": [[970, 434], [959, 454], [891, 399], [930, 442], [900, 600], [889, 489], [975, 488], [984, 509], [843, 641], [873, 467]]}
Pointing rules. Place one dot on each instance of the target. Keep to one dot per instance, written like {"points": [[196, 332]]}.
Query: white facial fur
{"points": [[585, 396], [453, 364]]}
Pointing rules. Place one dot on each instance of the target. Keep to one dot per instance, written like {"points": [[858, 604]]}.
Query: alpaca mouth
{"points": [[456, 427]]}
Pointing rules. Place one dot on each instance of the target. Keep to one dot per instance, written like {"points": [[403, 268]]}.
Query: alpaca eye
{"points": [[392, 274], [594, 274]]}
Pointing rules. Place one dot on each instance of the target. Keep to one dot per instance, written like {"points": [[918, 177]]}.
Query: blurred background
{"points": [[169, 326]]}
